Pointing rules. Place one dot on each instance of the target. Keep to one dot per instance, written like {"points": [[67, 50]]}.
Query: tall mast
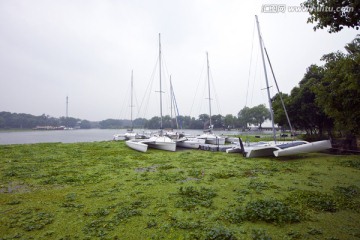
{"points": [[67, 107], [208, 77], [131, 103], [171, 99], [280, 94], [266, 78], [161, 121]]}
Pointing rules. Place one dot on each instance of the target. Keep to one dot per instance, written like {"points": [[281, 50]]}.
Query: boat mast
{"points": [[280, 94], [266, 78], [67, 112], [161, 121], [171, 101], [131, 104], [208, 78]]}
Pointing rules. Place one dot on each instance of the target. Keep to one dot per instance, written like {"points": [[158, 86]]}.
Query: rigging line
{"points": [[200, 111], [177, 114], [147, 90], [251, 54], [124, 102], [217, 100], [280, 93], [149, 93], [197, 87], [167, 76], [256, 63]]}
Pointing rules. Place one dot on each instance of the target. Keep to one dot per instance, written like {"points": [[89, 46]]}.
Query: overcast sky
{"points": [[86, 49]]}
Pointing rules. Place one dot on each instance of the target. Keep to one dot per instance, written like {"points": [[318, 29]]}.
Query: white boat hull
{"points": [[188, 144], [216, 141], [163, 146], [198, 140], [131, 135], [286, 149], [119, 137], [137, 145], [263, 151], [162, 143], [234, 150], [305, 148], [212, 139]]}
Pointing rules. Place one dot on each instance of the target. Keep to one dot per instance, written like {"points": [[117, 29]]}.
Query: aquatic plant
{"points": [[269, 210], [191, 197]]}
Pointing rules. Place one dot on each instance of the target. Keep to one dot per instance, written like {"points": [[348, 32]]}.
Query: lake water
{"points": [[72, 136]]}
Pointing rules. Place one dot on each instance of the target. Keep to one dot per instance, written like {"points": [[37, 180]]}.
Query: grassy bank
{"points": [[105, 190]]}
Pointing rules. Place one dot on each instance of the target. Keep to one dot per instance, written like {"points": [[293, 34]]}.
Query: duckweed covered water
{"points": [[105, 190]]}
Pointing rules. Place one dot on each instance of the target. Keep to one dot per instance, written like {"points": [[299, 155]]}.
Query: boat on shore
{"points": [[158, 141], [275, 148], [208, 134]]}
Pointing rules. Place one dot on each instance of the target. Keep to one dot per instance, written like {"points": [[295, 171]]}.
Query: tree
{"points": [[204, 118], [230, 121], [85, 124], [334, 14], [2, 122], [139, 122], [259, 114], [244, 117], [217, 121], [153, 123], [279, 113], [303, 111], [339, 92], [68, 121], [168, 122]]}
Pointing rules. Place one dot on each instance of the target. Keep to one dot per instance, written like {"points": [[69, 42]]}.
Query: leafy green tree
{"points": [[217, 121], [168, 122], [205, 120], [259, 114], [304, 112], [69, 121], [197, 123], [334, 14], [230, 121], [204, 117], [85, 124], [2, 122], [339, 91], [279, 114], [245, 117], [111, 124], [139, 122], [153, 123]]}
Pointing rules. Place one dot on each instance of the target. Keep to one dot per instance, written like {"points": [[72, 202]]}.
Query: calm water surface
{"points": [[64, 136], [72, 136]]}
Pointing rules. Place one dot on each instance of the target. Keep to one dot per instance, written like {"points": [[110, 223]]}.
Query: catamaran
{"points": [[159, 141], [208, 135], [276, 148], [130, 134]]}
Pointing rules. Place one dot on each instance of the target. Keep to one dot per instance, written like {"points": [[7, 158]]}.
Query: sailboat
{"points": [[130, 134], [208, 135], [159, 141], [180, 138], [275, 148]]}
